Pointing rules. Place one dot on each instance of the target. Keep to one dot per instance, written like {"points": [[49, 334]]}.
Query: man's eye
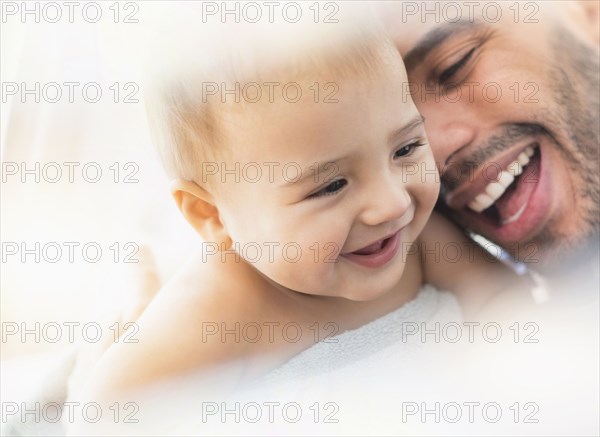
{"points": [[332, 188], [408, 149], [449, 72]]}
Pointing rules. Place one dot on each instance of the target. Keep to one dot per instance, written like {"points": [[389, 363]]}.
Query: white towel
{"points": [[385, 338]]}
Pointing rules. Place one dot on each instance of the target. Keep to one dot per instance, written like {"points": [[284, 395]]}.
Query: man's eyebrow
{"points": [[434, 38]]}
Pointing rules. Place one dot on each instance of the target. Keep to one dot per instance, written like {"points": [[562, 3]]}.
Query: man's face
{"points": [[512, 115]]}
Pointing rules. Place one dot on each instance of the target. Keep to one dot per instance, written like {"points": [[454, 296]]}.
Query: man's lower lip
{"points": [[380, 258]]}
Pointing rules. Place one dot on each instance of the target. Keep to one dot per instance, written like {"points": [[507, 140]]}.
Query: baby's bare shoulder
{"points": [[176, 333]]}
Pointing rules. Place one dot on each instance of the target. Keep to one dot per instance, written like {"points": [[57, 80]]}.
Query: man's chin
{"points": [[542, 250], [545, 253], [560, 258]]}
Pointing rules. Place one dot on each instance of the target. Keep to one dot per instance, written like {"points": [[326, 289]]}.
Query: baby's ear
{"points": [[198, 207]]}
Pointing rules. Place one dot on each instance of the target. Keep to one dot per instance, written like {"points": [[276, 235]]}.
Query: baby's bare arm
{"points": [[453, 262], [176, 337], [138, 287], [171, 337], [173, 342]]}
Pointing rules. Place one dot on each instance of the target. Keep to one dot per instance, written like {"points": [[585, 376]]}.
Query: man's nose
{"points": [[450, 127]]}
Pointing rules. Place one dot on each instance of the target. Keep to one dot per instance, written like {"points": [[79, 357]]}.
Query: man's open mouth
{"points": [[504, 204], [505, 200]]}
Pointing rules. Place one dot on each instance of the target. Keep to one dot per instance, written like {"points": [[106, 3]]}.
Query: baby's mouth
{"points": [[373, 248], [376, 254]]}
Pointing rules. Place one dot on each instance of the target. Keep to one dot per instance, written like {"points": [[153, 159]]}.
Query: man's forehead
{"points": [[414, 24], [410, 32]]}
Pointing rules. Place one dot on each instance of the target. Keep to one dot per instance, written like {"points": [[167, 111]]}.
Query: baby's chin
{"points": [[320, 290], [354, 285], [367, 295], [357, 292]]}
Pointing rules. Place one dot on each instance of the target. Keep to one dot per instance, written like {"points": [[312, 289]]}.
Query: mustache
{"points": [[484, 152]]}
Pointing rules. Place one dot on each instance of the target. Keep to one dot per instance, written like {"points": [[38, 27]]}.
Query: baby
{"points": [[312, 184]]}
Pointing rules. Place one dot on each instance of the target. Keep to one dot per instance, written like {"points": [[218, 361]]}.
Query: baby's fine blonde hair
{"points": [[186, 98]]}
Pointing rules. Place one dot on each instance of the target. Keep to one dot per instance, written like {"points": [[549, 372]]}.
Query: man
{"points": [[510, 94]]}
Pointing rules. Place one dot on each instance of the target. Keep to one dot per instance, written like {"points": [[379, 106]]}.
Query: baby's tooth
{"points": [[529, 151], [475, 206], [484, 201], [495, 190], [505, 179], [515, 168], [523, 159]]}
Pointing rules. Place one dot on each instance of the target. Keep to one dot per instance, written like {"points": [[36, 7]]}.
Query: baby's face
{"points": [[329, 195]]}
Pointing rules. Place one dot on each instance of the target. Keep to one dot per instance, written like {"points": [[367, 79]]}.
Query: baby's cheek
{"points": [[424, 194], [295, 274], [433, 191], [307, 268], [428, 189]]}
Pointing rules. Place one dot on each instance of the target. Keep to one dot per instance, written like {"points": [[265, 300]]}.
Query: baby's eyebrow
{"points": [[415, 122], [328, 168], [316, 171]]}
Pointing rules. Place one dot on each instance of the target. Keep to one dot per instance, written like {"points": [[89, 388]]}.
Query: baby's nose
{"points": [[386, 205]]}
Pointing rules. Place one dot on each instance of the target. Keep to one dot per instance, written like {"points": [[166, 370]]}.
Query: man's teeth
{"points": [[494, 190]]}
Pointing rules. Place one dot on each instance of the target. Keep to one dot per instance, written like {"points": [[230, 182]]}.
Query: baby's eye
{"points": [[408, 149], [332, 188]]}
